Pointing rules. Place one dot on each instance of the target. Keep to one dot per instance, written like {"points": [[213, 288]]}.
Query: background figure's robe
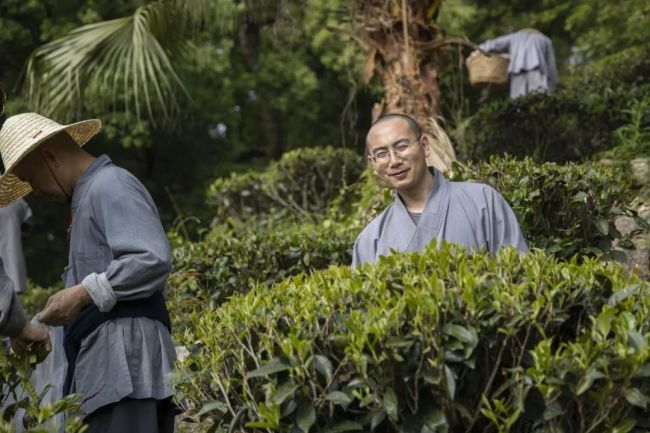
{"points": [[12, 219], [469, 214], [532, 61], [12, 316], [119, 252]]}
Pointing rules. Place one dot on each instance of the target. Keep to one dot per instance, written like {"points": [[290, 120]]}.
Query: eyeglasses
{"points": [[382, 157]]}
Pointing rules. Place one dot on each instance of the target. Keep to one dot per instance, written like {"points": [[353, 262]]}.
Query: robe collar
{"points": [[399, 232], [82, 184]]}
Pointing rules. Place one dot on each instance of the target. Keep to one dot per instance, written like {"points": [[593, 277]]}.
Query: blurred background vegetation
{"points": [[211, 87]]}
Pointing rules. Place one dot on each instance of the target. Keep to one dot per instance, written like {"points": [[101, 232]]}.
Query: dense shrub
{"points": [[300, 185], [566, 209], [38, 415], [229, 262], [573, 123], [445, 341], [633, 138]]}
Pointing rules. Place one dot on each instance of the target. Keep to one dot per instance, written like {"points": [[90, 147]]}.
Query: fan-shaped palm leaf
{"points": [[124, 61]]}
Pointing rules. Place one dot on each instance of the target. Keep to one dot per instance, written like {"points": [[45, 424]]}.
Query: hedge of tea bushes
{"points": [[299, 186], [565, 209], [443, 341]]}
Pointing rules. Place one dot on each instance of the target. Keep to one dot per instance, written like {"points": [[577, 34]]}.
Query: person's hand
{"points": [[64, 305], [33, 339]]}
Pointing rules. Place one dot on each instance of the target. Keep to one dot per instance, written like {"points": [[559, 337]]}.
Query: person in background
{"points": [[23, 334], [13, 322], [13, 221], [531, 65], [427, 206], [117, 328]]}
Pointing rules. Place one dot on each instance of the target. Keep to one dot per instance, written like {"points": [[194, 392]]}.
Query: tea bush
{"points": [[229, 262], [300, 185], [443, 341], [566, 209], [38, 416]]}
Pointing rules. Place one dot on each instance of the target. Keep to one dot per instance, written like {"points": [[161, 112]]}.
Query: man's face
{"points": [[33, 169], [396, 154]]}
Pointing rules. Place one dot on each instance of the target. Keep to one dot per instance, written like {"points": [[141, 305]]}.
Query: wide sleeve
{"points": [[365, 247], [500, 223], [141, 258], [12, 316], [498, 45], [356, 255], [552, 66], [26, 220]]}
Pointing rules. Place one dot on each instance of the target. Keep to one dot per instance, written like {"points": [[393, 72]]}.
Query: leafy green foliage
{"points": [[300, 185], [38, 416], [565, 209], [553, 127], [633, 139], [603, 28], [35, 297], [229, 262], [440, 341]]}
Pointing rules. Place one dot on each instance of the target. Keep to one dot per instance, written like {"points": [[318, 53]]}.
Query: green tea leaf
{"points": [[305, 416], [390, 403], [212, 405], [344, 426], [275, 365], [285, 391], [338, 397], [323, 366], [636, 397]]}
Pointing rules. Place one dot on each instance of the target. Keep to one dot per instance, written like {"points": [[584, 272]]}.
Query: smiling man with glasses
{"points": [[426, 205]]}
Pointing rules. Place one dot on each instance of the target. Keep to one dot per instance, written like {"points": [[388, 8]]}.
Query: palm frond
{"points": [[124, 63]]}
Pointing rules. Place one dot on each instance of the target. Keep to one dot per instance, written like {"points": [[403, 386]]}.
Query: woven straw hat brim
{"points": [[12, 188]]}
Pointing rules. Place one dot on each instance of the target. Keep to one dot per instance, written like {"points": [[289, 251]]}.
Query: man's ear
{"points": [[425, 145]]}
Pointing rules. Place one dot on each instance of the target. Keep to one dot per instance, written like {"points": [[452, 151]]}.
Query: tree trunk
{"points": [[401, 43], [271, 118]]}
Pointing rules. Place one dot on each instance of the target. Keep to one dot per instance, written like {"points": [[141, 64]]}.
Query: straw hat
{"points": [[23, 133]]}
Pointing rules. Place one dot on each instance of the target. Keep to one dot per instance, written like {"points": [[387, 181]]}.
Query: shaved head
{"points": [[412, 124]]}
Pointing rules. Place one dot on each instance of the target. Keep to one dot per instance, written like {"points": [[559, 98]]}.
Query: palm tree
{"points": [[125, 61], [129, 60]]}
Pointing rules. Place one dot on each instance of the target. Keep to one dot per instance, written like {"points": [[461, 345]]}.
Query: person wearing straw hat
{"points": [[427, 206], [531, 66], [117, 327]]}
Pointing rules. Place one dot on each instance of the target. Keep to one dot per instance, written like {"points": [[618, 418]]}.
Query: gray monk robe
{"points": [[469, 214], [119, 252], [12, 220], [12, 316], [532, 61]]}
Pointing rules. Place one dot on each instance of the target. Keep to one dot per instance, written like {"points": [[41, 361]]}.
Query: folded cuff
{"points": [[100, 291]]}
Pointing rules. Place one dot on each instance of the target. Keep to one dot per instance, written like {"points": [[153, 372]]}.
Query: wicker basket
{"points": [[487, 69]]}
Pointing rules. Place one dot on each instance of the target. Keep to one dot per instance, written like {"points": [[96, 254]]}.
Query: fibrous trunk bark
{"points": [[401, 41]]}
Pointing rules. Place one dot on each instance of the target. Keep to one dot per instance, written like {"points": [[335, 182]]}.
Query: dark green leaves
{"points": [[275, 365]]}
